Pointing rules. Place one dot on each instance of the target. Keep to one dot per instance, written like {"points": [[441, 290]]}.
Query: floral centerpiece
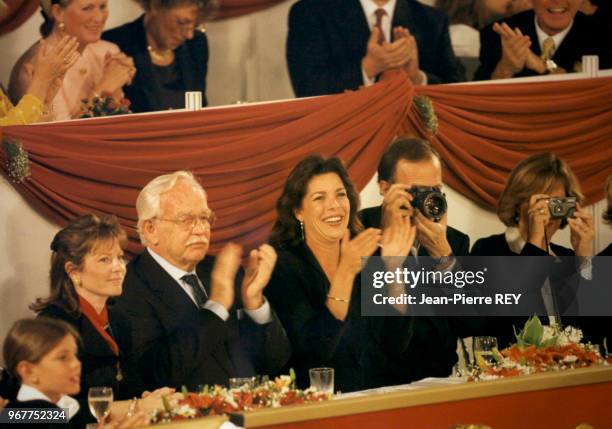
{"points": [[217, 400], [540, 348], [104, 105]]}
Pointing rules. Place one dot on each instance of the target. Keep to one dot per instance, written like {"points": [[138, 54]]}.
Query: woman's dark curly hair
{"points": [[287, 230]]}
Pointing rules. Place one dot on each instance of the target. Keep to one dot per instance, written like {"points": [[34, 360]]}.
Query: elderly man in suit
{"points": [[409, 163], [338, 45], [187, 328], [550, 38]]}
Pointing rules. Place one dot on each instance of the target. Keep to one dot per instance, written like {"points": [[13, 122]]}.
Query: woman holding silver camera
{"points": [[542, 196]]}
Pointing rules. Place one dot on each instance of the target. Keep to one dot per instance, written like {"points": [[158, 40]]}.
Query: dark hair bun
{"points": [[55, 244]]}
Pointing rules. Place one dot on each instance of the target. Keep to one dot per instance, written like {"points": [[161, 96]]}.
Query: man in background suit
{"points": [[405, 164], [335, 45], [186, 327], [551, 38]]}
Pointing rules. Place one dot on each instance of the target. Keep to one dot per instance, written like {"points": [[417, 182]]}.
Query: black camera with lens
{"points": [[430, 201], [562, 208]]}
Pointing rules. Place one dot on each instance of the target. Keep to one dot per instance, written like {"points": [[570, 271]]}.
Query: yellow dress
{"points": [[28, 110]]}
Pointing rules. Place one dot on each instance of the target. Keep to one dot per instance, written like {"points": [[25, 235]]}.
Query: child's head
{"points": [[42, 353]]}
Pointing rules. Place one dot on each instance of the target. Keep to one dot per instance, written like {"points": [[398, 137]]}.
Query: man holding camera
{"points": [[410, 173], [410, 180]]}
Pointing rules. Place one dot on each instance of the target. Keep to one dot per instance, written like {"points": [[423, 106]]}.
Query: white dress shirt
{"points": [[261, 316], [557, 38], [369, 9], [29, 393]]}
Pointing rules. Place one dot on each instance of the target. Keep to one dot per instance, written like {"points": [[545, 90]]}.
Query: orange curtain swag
{"points": [[243, 154]]}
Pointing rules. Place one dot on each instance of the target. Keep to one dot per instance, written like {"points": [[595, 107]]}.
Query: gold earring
{"points": [[76, 282], [61, 25], [302, 228]]}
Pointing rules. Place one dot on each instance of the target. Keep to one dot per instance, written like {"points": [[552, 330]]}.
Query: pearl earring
{"points": [[61, 25]]}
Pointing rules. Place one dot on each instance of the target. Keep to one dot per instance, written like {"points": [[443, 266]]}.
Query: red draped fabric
{"points": [[19, 11], [243, 154], [486, 129]]}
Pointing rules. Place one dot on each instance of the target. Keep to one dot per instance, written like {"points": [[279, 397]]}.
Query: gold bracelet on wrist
{"points": [[335, 298]]}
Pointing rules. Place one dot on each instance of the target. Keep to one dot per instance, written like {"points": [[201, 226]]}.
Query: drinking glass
{"points": [[322, 380], [238, 382], [483, 348], [100, 400], [193, 100]]}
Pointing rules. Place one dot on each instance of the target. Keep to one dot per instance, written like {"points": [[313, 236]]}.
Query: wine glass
{"points": [[100, 400]]}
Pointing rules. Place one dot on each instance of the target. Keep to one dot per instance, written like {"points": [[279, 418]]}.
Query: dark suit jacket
{"points": [[561, 276], [596, 328], [328, 38], [580, 40], [298, 289], [607, 251], [432, 349], [176, 344], [191, 59], [100, 364]]}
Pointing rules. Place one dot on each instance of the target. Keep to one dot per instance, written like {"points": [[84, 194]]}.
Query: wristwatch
{"points": [[553, 68]]}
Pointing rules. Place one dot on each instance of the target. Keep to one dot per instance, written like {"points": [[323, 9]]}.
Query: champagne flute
{"points": [[100, 400]]}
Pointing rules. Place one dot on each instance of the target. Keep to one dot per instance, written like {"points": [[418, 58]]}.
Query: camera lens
{"points": [[434, 206]]}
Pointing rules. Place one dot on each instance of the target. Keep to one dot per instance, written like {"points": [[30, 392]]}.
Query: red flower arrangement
{"points": [[104, 105]]}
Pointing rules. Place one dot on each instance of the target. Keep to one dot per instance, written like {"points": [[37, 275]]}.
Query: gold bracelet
{"points": [[335, 298]]}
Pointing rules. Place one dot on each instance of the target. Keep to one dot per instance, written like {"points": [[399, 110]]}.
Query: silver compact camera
{"points": [[562, 208]]}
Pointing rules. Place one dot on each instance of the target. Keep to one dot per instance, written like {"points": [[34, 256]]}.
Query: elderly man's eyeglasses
{"points": [[188, 222]]}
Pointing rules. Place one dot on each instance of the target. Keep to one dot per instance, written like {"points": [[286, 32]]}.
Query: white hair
{"points": [[148, 203]]}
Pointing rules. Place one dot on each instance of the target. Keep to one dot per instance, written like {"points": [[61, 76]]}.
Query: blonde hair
{"points": [[538, 173], [148, 203]]}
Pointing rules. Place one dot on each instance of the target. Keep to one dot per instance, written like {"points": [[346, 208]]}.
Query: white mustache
{"points": [[199, 241]]}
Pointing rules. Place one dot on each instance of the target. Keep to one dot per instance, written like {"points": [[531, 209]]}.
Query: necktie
{"points": [[380, 12], [548, 46], [198, 292]]}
